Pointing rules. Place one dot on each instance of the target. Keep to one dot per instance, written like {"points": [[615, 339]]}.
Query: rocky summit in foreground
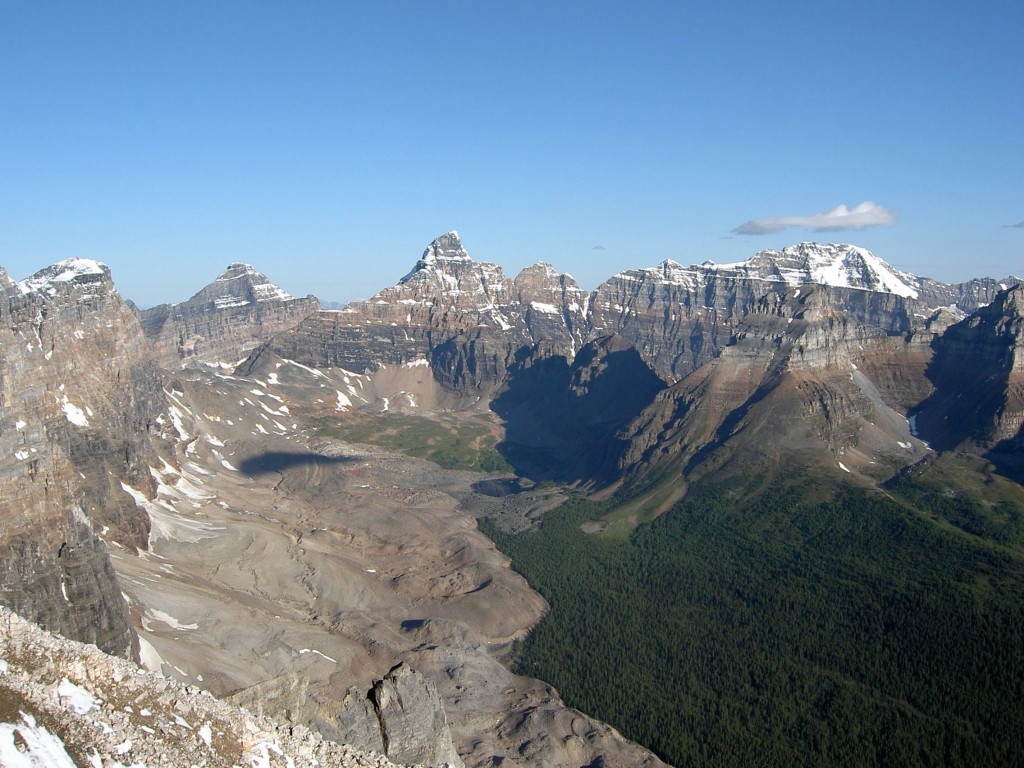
{"points": [[65, 704]]}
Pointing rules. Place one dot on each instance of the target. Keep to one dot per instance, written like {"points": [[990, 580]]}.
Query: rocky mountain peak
{"points": [[69, 274], [542, 277], [446, 273], [838, 265], [239, 310], [238, 285], [445, 251], [1011, 302]]}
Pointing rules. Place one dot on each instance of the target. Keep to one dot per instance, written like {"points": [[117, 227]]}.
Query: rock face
{"points": [[402, 717], [412, 720], [978, 374], [80, 403], [562, 417], [465, 317], [238, 311], [473, 324], [679, 317], [67, 703], [789, 384]]}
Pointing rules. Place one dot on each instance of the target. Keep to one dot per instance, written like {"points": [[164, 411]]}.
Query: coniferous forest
{"points": [[854, 627]]}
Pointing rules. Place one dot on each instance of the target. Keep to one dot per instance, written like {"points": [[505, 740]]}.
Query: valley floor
{"points": [[286, 568]]}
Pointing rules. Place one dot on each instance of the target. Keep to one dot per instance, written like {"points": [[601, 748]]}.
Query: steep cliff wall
{"points": [[978, 374], [238, 311], [80, 401]]}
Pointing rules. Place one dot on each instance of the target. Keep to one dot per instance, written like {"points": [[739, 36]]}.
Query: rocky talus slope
{"points": [[238, 311], [81, 403], [65, 704]]}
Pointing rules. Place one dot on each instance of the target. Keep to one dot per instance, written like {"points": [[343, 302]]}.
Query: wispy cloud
{"points": [[599, 248], [1018, 225], [867, 214]]}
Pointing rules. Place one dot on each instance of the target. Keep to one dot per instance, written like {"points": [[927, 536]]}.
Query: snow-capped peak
{"points": [[838, 265], [66, 271], [446, 249]]}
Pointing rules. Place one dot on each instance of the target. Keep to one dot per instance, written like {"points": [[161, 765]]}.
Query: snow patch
{"points": [[549, 309], [167, 619], [76, 698], [148, 655], [42, 748], [318, 653], [313, 371], [73, 413]]}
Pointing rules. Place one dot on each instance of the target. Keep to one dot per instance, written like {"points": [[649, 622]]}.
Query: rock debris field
{"points": [[63, 703]]}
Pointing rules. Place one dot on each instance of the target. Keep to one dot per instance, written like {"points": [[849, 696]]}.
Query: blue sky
{"points": [[328, 143]]}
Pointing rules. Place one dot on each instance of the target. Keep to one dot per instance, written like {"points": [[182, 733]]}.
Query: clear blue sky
{"points": [[328, 143]]}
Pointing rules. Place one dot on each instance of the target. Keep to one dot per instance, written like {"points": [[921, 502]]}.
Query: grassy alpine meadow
{"points": [[451, 442]]}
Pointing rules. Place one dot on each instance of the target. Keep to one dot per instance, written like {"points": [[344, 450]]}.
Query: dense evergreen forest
{"points": [[853, 627]]}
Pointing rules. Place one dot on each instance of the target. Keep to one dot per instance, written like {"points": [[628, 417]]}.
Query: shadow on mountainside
{"points": [[279, 461], [561, 420]]}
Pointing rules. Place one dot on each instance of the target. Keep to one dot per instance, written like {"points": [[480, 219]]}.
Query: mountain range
{"points": [[237, 491]]}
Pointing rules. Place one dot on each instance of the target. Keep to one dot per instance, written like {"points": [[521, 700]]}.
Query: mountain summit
{"points": [[239, 310], [238, 285]]}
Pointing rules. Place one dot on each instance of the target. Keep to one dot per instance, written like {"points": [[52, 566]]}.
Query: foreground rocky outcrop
{"points": [[402, 717], [64, 703], [238, 311]]}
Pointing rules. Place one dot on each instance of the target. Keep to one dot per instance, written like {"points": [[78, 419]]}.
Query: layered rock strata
{"points": [[238, 311], [80, 403], [978, 374]]}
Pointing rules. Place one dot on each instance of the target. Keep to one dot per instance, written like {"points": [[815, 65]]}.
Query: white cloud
{"points": [[867, 214]]}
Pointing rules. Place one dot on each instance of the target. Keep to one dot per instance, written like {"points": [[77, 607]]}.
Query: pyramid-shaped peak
{"points": [[238, 269], [238, 285], [446, 247], [444, 254]]}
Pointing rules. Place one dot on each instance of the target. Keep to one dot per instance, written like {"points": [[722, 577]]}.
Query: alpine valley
{"points": [[768, 512]]}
